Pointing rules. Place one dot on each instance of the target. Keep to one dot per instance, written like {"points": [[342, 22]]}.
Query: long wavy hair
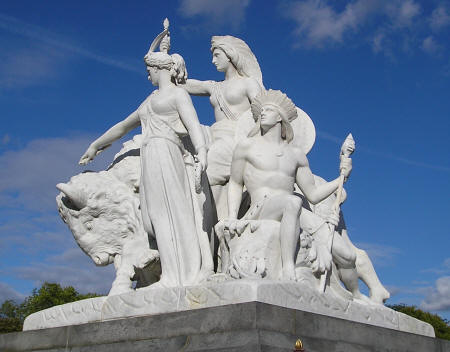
{"points": [[240, 56]]}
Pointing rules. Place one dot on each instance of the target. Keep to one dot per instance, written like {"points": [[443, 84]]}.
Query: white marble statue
{"points": [[170, 210], [268, 166], [230, 100], [282, 239], [103, 214], [351, 262]]}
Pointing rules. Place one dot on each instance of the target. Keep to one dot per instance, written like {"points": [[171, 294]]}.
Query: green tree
{"points": [[12, 315], [441, 326]]}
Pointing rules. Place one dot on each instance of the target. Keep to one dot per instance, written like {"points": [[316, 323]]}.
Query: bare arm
{"points": [[196, 87], [305, 180], [114, 133], [253, 89], [190, 120], [236, 183]]}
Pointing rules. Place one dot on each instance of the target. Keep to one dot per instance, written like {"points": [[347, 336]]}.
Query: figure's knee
{"points": [[293, 204], [344, 257]]}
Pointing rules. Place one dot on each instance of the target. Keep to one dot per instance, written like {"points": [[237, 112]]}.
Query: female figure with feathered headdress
{"points": [[230, 99]]}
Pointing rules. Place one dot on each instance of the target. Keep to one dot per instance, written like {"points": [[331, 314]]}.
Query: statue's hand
{"points": [[88, 155], [346, 166], [201, 156], [333, 218]]}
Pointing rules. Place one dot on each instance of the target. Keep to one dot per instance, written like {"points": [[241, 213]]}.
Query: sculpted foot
{"points": [[289, 273], [379, 295]]}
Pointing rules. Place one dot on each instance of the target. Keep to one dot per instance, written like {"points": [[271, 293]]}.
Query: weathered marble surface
{"points": [[294, 295]]}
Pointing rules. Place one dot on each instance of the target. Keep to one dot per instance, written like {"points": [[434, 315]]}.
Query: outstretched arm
{"points": [[114, 133], [305, 180], [236, 183], [196, 87]]}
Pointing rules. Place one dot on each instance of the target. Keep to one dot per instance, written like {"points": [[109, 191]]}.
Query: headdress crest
{"points": [[285, 106], [174, 63], [162, 39]]}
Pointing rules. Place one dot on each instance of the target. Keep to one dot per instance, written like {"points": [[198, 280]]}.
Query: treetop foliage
{"points": [[12, 315], [441, 326]]}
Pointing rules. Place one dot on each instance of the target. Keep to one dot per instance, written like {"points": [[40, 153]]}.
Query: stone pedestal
{"points": [[153, 300], [249, 326]]}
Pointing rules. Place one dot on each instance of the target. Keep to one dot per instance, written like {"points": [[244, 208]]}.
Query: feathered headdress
{"points": [[284, 105]]}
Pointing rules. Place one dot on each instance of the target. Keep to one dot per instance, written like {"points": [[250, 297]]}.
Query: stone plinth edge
{"points": [[294, 295]]}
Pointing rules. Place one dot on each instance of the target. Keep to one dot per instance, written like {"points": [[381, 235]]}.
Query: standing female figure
{"points": [[169, 206], [231, 101]]}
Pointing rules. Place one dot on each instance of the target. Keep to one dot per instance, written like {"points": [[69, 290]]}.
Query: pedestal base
{"points": [[153, 300], [250, 326]]}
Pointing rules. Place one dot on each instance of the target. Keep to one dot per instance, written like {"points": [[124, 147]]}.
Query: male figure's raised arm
{"points": [[236, 183], [305, 180]]}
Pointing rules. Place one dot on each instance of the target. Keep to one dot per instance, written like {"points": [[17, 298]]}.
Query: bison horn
{"points": [[76, 196]]}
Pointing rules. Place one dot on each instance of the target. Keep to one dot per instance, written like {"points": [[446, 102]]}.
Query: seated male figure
{"points": [[269, 166]]}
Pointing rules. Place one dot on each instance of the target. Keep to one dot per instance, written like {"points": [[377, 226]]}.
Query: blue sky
{"points": [[379, 69]]}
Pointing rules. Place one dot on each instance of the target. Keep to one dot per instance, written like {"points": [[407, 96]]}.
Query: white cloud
{"points": [[70, 268], [440, 18], [438, 297], [319, 23], [402, 13], [388, 25], [217, 12], [8, 293], [430, 45], [16, 26], [28, 176], [19, 69]]}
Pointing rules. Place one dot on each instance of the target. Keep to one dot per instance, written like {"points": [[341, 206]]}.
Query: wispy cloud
{"points": [[319, 24], [71, 268], [444, 269], [217, 13], [334, 139], [440, 18], [429, 45], [19, 69], [8, 293], [16, 26], [380, 255], [29, 175], [389, 25]]}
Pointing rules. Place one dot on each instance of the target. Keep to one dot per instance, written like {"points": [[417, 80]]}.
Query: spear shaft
{"points": [[347, 149]]}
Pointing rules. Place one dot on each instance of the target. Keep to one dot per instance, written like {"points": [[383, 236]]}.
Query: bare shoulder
{"points": [[252, 86], [180, 94], [300, 156], [243, 147]]}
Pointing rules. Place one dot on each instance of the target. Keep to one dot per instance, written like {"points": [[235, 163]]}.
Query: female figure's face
{"points": [[153, 75], [220, 60]]}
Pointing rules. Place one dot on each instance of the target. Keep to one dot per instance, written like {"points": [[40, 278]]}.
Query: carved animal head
{"points": [[102, 213]]}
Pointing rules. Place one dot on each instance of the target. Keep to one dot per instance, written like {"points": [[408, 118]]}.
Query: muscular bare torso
{"points": [[270, 169]]}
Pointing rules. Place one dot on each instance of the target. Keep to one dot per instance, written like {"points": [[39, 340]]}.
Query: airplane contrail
{"points": [[334, 139], [16, 26]]}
